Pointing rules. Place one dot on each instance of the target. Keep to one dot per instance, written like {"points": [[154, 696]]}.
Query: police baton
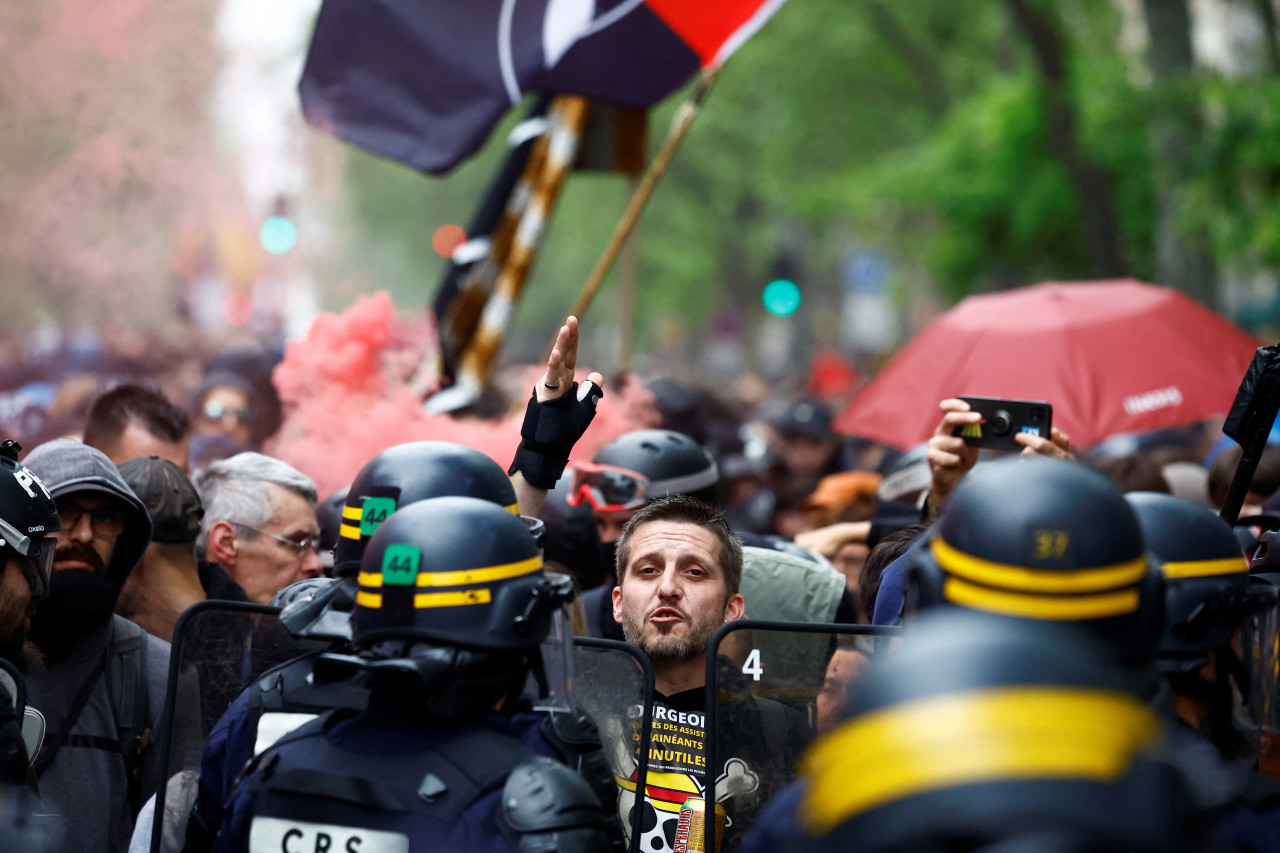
{"points": [[1249, 423]]}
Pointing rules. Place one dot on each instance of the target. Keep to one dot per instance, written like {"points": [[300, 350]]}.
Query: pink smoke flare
{"points": [[345, 401]]}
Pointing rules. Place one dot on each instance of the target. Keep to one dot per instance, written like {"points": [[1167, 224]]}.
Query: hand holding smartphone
{"points": [[1002, 420]]}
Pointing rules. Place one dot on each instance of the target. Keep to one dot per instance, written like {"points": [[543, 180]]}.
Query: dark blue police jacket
{"points": [[358, 782]]}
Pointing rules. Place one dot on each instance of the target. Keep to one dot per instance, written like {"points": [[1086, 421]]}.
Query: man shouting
{"points": [[679, 569]]}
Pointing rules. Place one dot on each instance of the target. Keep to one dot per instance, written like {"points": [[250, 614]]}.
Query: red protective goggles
{"points": [[606, 488]]}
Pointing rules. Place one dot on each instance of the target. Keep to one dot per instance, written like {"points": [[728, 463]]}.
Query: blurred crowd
{"points": [[222, 389]]}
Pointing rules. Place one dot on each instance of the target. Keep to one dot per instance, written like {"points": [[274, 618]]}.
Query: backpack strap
{"points": [[60, 737], [127, 683]]}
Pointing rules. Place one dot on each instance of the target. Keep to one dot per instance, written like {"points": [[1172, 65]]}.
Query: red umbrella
{"points": [[1110, 356]]}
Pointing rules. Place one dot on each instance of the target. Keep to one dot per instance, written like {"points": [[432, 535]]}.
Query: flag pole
{"points": [[640, 197], [628, 278], [514, 247]]}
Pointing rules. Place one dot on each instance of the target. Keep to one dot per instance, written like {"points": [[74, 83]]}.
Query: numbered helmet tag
{"points": [[375, 511]]}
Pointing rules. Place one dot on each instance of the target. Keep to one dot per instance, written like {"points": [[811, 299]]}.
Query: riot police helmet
{"points": [[408, 473], [640, 467], [1044, 539], [979, 733], [1206, 578], [458, 571], [28, 519]]}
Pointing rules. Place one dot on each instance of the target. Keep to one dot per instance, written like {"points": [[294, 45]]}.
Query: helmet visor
{"points": [[38, 553], [556, 651], [537, 529], [607, 488], [1260, 653]]}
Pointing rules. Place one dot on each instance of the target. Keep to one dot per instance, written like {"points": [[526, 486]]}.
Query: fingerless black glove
{"points": [[549, 432]]}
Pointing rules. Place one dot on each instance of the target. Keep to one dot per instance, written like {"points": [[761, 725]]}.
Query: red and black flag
{"points": [[423, 82]]}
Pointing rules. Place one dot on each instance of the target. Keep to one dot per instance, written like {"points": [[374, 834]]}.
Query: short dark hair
{"points": [[687, 510], [886, 551], [112, 412]]}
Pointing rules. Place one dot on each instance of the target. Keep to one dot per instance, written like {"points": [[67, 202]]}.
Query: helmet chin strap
{"points": [[447, 682], [1218, 723]]}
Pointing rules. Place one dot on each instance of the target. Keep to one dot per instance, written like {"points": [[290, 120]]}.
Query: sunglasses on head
{"points": [[606, 488]]}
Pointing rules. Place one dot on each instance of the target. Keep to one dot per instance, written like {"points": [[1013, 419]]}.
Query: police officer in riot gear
{"points": [[1023, 736], [1048, 540], [451, 608], [28, 520], [1208, 597], [1044, 539], [397, 477], [1027, 541]]}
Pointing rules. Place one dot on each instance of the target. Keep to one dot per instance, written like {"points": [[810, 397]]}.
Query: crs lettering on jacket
{"points": [[276, 835], [26, 479]]}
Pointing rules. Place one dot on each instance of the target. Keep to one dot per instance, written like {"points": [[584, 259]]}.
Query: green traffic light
{"points": [[278, 234], [781, 297]]}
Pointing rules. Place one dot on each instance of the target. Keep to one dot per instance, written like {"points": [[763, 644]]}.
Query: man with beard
{"points": [[103, 683], [642, 466], [679, 568]]}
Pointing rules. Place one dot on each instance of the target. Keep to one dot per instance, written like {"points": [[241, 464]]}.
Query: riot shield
{"points": [[219, 648], [613, 684], [771, 688]]}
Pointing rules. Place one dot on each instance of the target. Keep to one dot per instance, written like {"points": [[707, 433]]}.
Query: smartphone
{"points": [[1004, 419]]}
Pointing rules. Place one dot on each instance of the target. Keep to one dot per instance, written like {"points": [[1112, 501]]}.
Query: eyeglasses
{"points": [[104, 520], [299, 548], [215, 411]]}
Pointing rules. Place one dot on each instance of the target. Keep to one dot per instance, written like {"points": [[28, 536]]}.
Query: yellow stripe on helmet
{"points": [[348, 531], [462, 577], [352, 513], [459, 598], [1073, 607], [947, 741], [486, 575], [1204, 568], [1025, 579], [424, 600], [514, 509]]}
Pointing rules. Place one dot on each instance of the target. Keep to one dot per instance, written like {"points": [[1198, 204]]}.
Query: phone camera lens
{"points": [[1000, 422], [1036, 415]]}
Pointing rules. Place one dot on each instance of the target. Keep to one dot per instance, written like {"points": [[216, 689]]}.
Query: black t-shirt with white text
{"points": [[758, 744]]}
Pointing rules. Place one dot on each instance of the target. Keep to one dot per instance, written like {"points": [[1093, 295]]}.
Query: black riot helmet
{"points": [[1048, 540], [1207, 589], [458, 571], [642, 466], [408, 473], [28, 519], [454, 607], [979, 733]]}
